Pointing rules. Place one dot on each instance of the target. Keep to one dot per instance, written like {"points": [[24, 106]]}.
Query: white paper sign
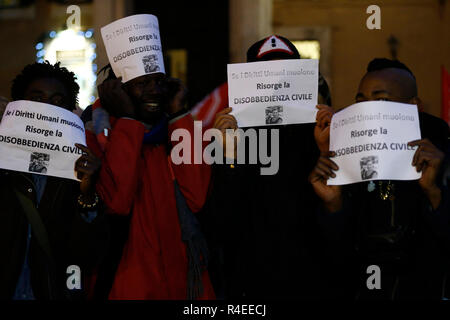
{"points": [[133, 46], [40, 138], [273, 92], [370, 140]]}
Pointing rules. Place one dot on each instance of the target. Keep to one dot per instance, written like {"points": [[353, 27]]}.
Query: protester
{"points": [[400, 226], [164, 256], [261, 227], [49, 223]]}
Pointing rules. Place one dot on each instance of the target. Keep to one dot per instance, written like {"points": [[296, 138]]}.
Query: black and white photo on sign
{"points": [[274, 115], [369, 166], [39, 162], [150, 63]]}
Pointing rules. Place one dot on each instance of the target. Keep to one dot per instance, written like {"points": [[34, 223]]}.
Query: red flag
{"points": [[445, 78], [206, 109]]}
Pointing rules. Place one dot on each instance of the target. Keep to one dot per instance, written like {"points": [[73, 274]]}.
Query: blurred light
{"points": [[94, 78], [40, 53], [40, 60], [80, 33], [75, 52], [308, 49], [93, 45], [88, 34], [91, 99], [39, 46], [94, 67], [52, 34]]}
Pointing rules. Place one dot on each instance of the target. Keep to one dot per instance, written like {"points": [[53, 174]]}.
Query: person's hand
{"points": [[225, 121], [114, 99], [177, 92], [330, 195], [322, 128], [87, 166], [428, 159]]}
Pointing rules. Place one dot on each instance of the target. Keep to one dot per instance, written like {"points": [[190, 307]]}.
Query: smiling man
{"points": [[164, 254], [137, 179]]}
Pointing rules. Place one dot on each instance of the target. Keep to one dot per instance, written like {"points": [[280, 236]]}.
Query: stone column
{"points": [[250, 21]]}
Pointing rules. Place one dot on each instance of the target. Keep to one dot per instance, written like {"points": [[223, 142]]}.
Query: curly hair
{"points": [[46, 70]]}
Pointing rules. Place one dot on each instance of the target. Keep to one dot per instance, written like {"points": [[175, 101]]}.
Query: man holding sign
{"points": [[400, 226], [164, 255], [49, 222], [268, 253]]}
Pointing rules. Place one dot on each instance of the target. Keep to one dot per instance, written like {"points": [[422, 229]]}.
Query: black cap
{"points": [[278, 47], [272, 47]]}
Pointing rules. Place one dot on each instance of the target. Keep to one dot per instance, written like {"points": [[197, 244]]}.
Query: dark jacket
{"points": [[73, 241], [261, 227]]}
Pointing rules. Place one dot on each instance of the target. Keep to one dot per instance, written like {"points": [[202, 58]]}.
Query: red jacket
{"points": [[135, 179]]}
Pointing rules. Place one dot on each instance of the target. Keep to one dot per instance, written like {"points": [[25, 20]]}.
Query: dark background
{"points": [[200, 27]]}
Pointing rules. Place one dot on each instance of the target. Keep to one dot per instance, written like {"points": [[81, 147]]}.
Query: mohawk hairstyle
{"points": [[46, 70], [383, 63]]}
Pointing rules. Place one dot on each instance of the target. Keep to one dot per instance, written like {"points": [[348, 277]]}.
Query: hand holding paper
{"points": [[330, 194], [322, 128], [86, 167], [224, 120], [428, 159]]}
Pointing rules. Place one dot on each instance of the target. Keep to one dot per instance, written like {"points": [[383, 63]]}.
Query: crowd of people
{"points": [[140, 227]]}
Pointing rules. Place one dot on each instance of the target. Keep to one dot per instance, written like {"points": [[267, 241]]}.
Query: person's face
{"points": [[48, 90], [275, 114], [386, 85], [149, 95]]}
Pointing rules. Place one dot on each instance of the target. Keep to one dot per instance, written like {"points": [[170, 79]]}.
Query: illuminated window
{"points": [[178, 63], [76, 51], [309, 49]]}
